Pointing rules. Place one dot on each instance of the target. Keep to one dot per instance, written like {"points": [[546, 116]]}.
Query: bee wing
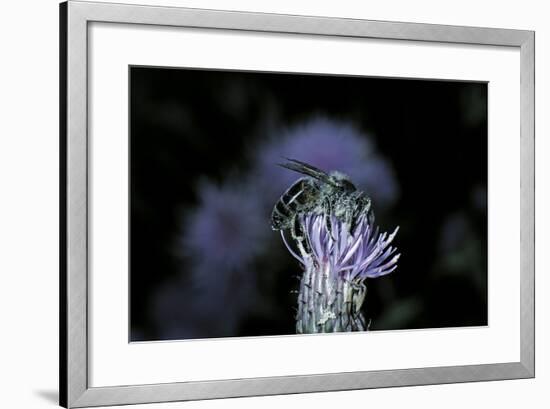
{"points": [[307, 169]]}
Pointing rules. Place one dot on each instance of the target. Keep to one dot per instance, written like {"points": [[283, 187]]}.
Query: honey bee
{"points": [[318, 192]]}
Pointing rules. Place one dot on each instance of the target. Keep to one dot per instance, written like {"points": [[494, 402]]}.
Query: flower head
{"points": [[351, 255]]}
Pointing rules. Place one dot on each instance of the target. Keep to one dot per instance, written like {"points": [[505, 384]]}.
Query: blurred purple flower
{"points": [[328, 145], [221, 236], [226, 230]]}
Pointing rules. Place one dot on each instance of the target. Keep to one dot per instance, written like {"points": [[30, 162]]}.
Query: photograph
{"points": [[281, 203]]}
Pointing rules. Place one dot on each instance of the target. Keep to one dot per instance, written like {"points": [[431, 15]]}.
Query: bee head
{"points": [[342, 181]]}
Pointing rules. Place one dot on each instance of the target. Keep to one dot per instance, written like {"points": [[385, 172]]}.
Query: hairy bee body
{"points": [[320, 193], [302, 196]]}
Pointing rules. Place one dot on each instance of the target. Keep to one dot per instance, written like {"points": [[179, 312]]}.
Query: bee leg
{"points": [[360, 207], [368, 324], [329, 226], [359, 291], [366, 209], [352, 220], [328, 214], [360, 298], [301, 241]]}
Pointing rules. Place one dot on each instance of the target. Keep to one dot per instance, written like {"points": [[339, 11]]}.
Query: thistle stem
{"points": [[328, 303]]}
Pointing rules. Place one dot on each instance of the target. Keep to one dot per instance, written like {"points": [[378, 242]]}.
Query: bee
{"points": [[319, 193]]}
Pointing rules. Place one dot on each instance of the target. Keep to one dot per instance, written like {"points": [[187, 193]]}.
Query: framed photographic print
{"points": [[258, 204]]}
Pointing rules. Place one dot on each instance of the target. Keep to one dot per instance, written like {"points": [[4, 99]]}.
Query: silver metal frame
{"points": [[74, 388]]}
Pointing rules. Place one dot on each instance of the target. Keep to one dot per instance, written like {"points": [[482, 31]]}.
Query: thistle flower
{"points": [[336, 263], [226, 231], [221, 238]]}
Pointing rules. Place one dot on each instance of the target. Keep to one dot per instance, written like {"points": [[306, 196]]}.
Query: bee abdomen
{"points": [[282, 209], [287, 206]]}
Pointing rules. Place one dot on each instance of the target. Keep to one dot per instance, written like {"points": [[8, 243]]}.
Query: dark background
{"points": [[195, 128]]}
